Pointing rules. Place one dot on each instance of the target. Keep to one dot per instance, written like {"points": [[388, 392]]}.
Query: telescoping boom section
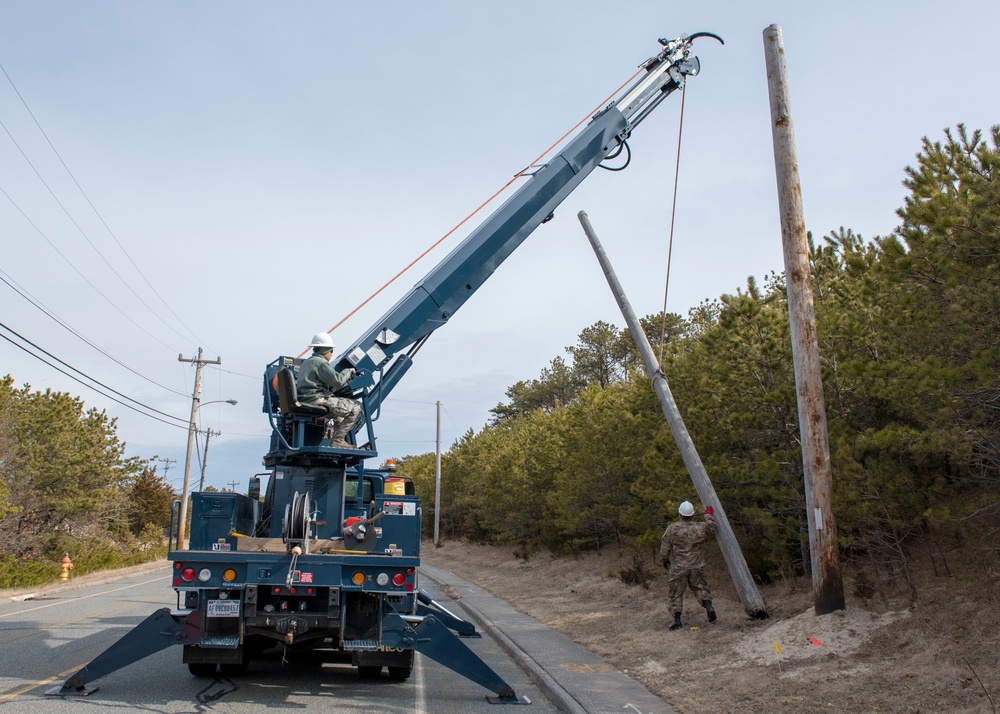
{"points": [[323, 561]]}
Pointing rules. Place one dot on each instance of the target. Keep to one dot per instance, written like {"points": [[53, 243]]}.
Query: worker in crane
{"points": [[680, 553], [319, 383]]}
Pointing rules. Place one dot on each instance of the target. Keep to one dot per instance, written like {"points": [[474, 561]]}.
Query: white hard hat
{"points": [[686, 509], [322, 339]]}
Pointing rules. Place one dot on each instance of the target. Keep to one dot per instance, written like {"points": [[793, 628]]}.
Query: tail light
{"points": [[187, 575], [398, 579]]}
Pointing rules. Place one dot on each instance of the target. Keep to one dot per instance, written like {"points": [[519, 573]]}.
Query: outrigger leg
{"points": [[155, 633], [426, 605], [433, 639]]}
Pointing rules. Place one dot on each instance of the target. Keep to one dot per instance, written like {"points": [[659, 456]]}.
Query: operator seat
{"points": [[292, 409]]}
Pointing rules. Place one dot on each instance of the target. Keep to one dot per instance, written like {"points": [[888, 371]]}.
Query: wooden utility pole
{"points": [[437, 479], [753, 603], [199, 363], [204, 459], [828, 584]]}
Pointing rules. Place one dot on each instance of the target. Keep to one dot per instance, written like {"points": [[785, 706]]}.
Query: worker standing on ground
{"points": [[680, 553], [318, 383]]}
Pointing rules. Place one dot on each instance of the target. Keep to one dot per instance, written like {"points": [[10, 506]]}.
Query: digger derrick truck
{"points": [[327, 559]]}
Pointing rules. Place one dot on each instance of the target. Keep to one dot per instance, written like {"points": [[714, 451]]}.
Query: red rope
{"points": [[482, 205]]}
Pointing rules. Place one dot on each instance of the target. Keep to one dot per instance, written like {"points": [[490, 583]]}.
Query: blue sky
{"points": [[265, 167]]}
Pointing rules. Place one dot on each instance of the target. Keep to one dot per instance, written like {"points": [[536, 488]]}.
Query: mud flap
{"points": [[156, 632], [435, 640]]}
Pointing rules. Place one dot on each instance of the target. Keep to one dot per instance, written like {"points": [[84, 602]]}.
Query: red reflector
{"points": [[277, 590], [292, 591], [309, 591], [409, 587], [188, 574], [177, 582], [398, 579], [177, 566]]}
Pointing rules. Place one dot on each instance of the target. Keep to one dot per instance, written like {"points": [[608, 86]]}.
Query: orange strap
{"points": [[482, 205]]}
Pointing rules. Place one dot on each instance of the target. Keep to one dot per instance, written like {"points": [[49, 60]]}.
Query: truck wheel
{"points": [[202, 669], [398, 674], [366, 671]]}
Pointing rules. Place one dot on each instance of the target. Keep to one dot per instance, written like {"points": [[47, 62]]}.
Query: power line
{"points": [[90, 386], [12, 284], [85, 279], [96, 212]]}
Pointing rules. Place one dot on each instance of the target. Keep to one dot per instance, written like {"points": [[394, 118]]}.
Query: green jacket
{"points": [[317, 379], [681, 543]]}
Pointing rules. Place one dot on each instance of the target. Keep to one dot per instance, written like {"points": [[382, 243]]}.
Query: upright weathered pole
{"points": [[437, 479], [753, 603], [199, 363], [828, 584]]}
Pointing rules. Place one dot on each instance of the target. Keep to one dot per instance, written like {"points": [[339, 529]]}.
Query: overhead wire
{"points": [[482, 205], [12, 284], [183, 425], [78, 271], [96, 212]]}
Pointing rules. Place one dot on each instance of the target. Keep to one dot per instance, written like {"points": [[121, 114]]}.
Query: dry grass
{"points": [[941, 656]]}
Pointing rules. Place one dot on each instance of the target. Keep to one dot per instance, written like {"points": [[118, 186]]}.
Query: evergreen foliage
{"points": [[907, 325], [66, 486]]}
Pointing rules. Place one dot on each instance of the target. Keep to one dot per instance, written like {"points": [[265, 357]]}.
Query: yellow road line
{"points": [[24, 690]]}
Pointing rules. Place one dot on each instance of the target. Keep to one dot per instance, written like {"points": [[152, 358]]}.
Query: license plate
{"points": [[223, 608]]}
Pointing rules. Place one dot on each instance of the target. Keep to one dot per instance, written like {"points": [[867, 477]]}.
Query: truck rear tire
{"points": [[366, 671], [399, 674]]}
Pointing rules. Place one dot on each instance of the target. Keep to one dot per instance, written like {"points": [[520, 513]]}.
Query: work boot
{"points": [[341, 444], [676, 625], [709, 609]]}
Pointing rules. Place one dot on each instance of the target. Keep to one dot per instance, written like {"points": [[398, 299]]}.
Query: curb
{"points": [[542, 679], [98, 578]]}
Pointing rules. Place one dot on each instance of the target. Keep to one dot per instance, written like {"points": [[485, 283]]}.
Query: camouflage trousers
{"points": [[678, 581], [343, 411]]}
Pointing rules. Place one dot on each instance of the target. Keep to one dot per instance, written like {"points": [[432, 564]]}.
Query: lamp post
{"points": [[208, 435]]}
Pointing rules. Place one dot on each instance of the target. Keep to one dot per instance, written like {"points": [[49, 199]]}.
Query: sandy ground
{"points": [[941, 656]]}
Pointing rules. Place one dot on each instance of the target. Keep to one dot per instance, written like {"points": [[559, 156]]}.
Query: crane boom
{"points": [[436, 298]]}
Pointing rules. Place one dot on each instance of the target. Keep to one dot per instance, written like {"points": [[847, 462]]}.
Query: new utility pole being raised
{"points": [[198, 362], [828, 583], [750, 596]]}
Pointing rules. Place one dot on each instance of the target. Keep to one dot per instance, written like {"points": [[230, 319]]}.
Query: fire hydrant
{"points": [[67, 565]]}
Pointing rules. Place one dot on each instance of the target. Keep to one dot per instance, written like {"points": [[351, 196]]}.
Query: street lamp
{"points": [[208, 435], [195, 406]]}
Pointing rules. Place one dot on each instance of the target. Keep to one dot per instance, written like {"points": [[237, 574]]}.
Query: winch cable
{"points": [[673, 215], [482, 205]]}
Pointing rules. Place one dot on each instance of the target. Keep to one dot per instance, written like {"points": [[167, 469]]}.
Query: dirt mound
{"points": [[942, 656]]}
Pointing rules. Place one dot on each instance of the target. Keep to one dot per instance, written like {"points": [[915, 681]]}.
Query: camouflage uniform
{"points": [[681, 546], [318, 383]]}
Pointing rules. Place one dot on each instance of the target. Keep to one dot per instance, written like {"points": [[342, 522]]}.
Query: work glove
{"points": [[709, 511]]}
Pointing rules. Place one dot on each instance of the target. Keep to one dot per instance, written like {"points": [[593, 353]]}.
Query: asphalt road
{"points": [[45, 639]]}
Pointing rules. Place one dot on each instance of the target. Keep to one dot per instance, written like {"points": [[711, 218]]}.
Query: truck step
{"points": [[229, 643], [369, 645]]}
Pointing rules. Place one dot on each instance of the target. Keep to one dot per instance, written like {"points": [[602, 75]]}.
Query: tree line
{"points": [[67, 487], [581, 457]]}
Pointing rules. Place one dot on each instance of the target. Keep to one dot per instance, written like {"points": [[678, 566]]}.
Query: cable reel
{"points": [[295, 526]]}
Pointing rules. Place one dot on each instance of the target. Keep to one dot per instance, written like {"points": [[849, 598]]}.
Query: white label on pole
{"points": [[818, 515]]}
